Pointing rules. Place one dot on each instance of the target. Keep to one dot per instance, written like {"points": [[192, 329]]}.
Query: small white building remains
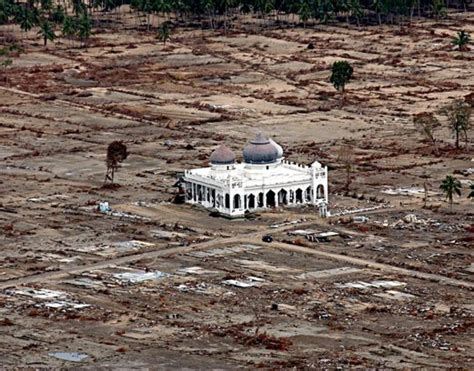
{"points": [[264, 180]]}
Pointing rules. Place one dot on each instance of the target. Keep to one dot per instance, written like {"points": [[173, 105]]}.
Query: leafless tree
{"points": [[459, 118], [116, 154], [346, 158], [427, 124]]}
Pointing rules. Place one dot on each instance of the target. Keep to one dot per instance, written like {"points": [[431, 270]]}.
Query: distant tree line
{"points": [[219, 13]]}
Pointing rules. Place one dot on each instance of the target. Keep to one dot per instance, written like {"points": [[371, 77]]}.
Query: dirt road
{"points": [[251, 238]]}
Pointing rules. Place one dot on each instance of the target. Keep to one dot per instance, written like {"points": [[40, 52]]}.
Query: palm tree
{"points": [[164, 32], [226, 4], [146, 6], [438, 9], [84, 28], [163, 6], [25, 19], [461, 40], [471, 194], [46, 31], [209, 7], [304, 12], [356, 10], [58, 14], [46, 6], [69, 27], [78, 7], [450, 186], [7, 9]]}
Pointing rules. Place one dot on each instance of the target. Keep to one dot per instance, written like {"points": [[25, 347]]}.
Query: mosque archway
{"points": [[270, 199], [320, 191], [299, 195], [283, 197], [227, 201], [237, 202], [251, 201]]}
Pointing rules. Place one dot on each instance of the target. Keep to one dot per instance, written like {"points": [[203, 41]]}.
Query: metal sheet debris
{"points": [[250, 281], [203, 289], [374, 284], [113, 248], [167, 235], [264, 266], [70, 356], [140, 276], [360, 219], [327, 273], [49, 298], [44, 294], [394, 295], [86, 283], [66, 304], [48, 198], [361, 210], [195, 270], [287, 223], [302, 232]]}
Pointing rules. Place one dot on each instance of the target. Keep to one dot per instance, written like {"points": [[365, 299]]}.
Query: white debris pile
{"points": [[114, 248], [370, 285], [167, 235], [48, 198], [315, 275], [49, 298], [394, 295], [409, 191], [287, 223], [203, 288], [69, 356], [86, 283], [360, 210], [195, 270], [249, 281], [412, 221], [134, 277], [104, 207]]}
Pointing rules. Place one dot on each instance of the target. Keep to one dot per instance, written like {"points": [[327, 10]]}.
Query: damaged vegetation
{"points": [[98, 278]]}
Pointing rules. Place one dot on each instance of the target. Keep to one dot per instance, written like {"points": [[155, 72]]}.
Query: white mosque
{"points": [[264, 180]]}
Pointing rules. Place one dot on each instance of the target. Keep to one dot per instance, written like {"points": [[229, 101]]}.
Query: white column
{"points": [[192, 192], [314, 186], [326, 190]]}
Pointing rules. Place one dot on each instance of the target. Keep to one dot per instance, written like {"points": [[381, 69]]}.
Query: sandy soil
{"points": [[395, 291]]}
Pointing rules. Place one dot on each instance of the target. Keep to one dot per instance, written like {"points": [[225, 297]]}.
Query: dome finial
{"points": [[260, 151]]}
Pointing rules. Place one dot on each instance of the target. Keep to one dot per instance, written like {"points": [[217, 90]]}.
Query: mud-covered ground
{"points": [[155, 284]]}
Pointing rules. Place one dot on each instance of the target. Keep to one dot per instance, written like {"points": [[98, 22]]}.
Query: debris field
{"points": [[120, 276]]}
